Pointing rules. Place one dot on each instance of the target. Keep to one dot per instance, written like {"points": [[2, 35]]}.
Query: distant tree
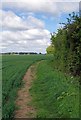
{"points": [[40, 53], [50, 49]]}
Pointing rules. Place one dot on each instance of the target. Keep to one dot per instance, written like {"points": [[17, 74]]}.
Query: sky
{"points": [[25, 25]]}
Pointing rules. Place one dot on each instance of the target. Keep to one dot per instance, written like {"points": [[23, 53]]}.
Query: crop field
{"points": [[13, 70], [55, 95]]}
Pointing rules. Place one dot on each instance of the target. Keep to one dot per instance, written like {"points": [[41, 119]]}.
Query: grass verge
{"points": [[55, 95]]}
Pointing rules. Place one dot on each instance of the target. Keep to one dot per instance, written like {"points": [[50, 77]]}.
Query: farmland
{"points": [[13, 70], [54, 93], [0, 85]]}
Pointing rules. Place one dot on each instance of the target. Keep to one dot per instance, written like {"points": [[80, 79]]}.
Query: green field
{"points": [[13, 70], [54, 93], [0, 86]]}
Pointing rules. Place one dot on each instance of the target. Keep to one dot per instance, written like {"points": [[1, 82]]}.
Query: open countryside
{"points": [[54, 93], [44, 83]]}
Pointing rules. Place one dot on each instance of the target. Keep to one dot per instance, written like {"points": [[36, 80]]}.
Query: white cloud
{"points": [[25, 40], [46, 6], [36, 22], [23, 35], [29, 35], [13, 22]]}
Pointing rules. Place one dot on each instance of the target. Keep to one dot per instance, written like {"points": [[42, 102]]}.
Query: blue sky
{"points": [[26, 25]]}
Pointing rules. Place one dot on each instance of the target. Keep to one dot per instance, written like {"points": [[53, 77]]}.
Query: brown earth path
{"points": [[25, 110]]}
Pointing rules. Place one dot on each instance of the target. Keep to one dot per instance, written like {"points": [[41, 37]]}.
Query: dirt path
{"points": [[25, 110]]}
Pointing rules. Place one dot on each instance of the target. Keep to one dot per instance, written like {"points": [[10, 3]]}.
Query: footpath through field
{"points": [[25, 110]]}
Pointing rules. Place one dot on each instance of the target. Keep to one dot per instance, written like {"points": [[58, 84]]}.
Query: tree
{"points": [[50, 49]]}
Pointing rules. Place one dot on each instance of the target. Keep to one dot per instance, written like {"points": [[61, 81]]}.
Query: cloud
{"points": [[27, 35], [35, 22], [26, 40], [13, 22], [52, 7], [23, 35]]}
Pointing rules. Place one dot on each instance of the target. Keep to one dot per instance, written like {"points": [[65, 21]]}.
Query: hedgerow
{"points": [[67, 44]]}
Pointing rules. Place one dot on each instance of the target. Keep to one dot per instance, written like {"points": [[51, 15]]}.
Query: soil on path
{"points": [[25, 110]]}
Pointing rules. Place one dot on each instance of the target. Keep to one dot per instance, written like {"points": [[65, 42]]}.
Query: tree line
{"points": [[20, 53]]}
